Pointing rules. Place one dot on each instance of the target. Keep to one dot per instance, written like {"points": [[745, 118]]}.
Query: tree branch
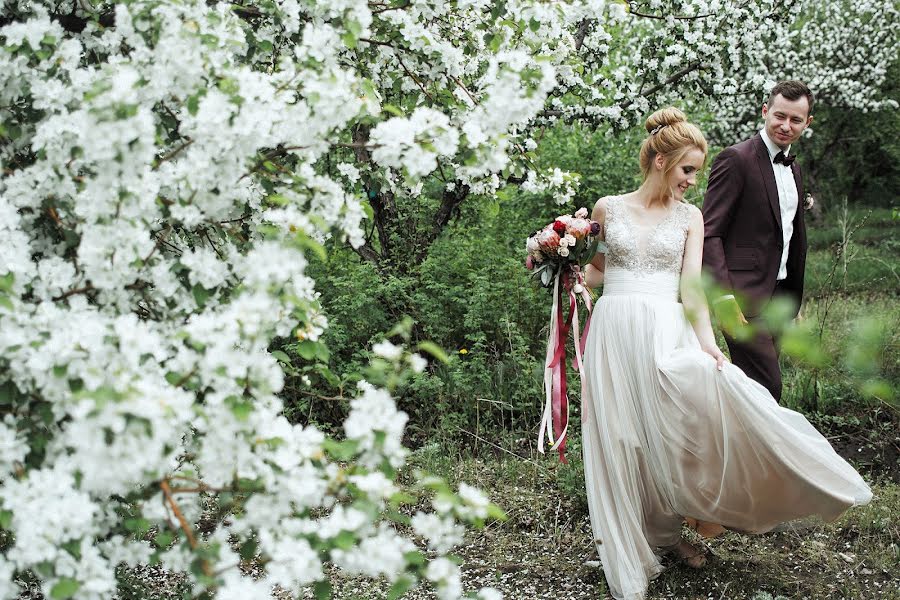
{"points": [[450, 201], [73, 292], [583, 27], [674, 78], [175, 152], [367, 253], [167, 491], [663, 18]]}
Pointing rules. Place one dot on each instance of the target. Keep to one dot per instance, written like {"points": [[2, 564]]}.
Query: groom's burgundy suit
{"points": [[743, 246]]}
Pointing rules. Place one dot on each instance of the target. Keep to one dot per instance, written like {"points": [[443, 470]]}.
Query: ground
{"points": [[544, 550]]}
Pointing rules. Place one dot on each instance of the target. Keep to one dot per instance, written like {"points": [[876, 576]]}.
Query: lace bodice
{"points": [[654, 249]]}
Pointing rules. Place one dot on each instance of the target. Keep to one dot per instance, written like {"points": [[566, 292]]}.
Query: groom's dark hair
{"points": [[791, 89]]}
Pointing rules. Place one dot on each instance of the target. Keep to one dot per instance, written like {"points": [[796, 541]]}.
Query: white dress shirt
{"points": [[788, 199]]}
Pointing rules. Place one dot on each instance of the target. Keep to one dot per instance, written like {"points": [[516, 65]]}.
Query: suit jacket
{"points": [[743, 238]]}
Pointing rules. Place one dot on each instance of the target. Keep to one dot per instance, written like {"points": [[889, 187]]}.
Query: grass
{"points": [[867, 264], [544, 549]]}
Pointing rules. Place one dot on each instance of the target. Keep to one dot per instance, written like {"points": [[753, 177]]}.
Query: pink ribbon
{"points": [[555, 420]]}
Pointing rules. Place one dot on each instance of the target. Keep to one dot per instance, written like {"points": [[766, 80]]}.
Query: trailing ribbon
{"points": [[555, 420]]}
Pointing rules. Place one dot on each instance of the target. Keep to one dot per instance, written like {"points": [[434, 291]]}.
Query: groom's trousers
{"points": [[758, 358]]}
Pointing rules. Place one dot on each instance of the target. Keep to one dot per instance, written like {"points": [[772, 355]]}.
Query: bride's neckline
{"points": [[627, 210]]}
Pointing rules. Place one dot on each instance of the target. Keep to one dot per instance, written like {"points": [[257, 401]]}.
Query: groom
{"points": [[755, 240]]}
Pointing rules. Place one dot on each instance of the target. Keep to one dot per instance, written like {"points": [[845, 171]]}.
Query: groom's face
{"points": [[786, 119]]}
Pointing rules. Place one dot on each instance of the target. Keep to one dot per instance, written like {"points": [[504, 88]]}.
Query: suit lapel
{"points": [[799, 221], [795, 171], [764, 162]]}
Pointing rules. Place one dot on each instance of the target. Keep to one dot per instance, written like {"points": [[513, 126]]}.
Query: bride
{"points": [[672, 430]]}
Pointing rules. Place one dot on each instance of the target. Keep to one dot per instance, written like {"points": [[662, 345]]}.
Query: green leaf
{"points": [[878, 388], [322, 590], [307, 349], [397, 517], [6, 282], [341, 451], [589, 252], [367, 208], [281, 357], [345, 540], [415, 558], [163, 539], [496, 42], [329, 376], [402, 328], [138, 525], [64, 588], [350, 40], [248, 549], [201, 295], [277, 199], [390, 108], [240, 407], [434, 350], [495, 512], [73, 547], [400, 587], [5, 518], [193, 104], [307, 243], [9, 393]]}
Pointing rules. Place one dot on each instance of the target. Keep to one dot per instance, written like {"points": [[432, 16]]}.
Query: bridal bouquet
{"points": [[565, 245], [556, 255]]}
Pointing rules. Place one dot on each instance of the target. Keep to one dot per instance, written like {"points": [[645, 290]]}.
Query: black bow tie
{"points": [[781, 159]]}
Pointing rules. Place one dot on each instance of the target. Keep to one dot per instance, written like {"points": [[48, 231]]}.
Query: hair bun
{"points": [[663, 117]]}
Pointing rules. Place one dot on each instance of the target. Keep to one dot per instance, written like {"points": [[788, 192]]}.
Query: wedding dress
{"points": [[667, 436]]}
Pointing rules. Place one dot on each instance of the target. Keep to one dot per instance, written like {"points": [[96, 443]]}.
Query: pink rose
{"points": [[548, 239], [580, 228]]}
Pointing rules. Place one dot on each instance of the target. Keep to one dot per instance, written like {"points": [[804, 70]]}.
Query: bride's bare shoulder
{"points": [[600, 207]]}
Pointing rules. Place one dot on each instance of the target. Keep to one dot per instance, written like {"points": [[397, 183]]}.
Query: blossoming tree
{"points": [[166, 167]]}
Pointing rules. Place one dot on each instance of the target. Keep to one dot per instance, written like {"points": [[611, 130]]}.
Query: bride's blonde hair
{"points": [[671, 135]]}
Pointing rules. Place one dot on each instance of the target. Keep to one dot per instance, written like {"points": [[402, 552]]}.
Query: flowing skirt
{"points": [[667, 436]]}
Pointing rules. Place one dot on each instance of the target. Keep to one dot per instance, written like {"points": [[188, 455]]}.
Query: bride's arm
{"points": [[692, 292], [593, 271]]}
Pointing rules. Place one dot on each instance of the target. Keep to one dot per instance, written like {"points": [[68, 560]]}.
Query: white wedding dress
{"points": [[667, 436]]}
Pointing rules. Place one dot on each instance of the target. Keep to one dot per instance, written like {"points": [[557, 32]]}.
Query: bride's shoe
{"points": [[689, 554]]}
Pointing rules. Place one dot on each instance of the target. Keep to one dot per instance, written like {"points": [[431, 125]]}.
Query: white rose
{"points": [[563, 251]]}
